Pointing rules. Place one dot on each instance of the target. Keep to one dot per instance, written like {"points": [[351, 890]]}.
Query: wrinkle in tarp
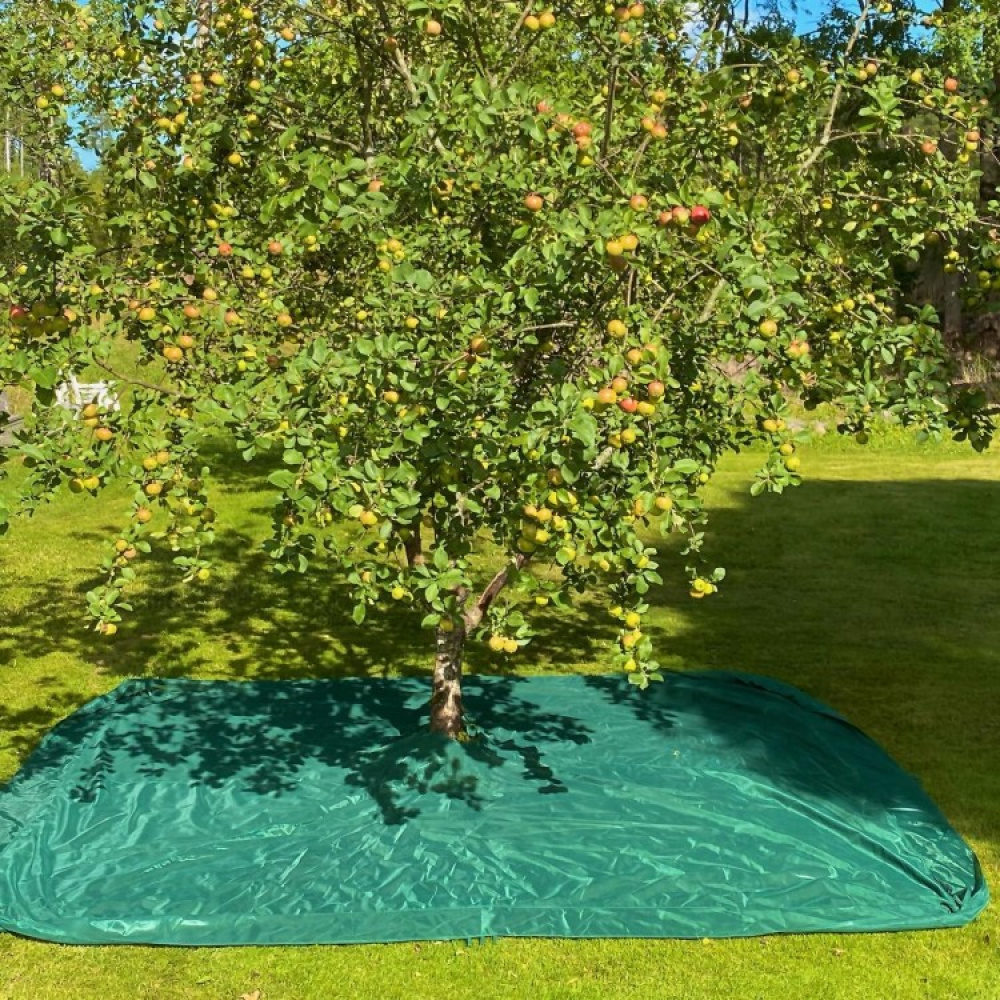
{"points": [[226, 813]]}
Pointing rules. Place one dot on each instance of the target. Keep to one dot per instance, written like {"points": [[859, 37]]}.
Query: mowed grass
{"points": [[874, 587]]}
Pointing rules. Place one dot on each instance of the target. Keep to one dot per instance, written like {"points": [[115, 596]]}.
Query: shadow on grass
{"points": [[880, 598]]}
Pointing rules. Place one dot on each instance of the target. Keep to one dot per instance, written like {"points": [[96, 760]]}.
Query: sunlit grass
{"points": [[873, 586]]}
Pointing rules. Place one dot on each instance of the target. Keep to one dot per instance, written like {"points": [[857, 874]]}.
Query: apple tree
{"points": [[490, 283]]}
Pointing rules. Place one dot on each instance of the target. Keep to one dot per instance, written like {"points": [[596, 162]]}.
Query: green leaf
{"points": [[583, 427]]}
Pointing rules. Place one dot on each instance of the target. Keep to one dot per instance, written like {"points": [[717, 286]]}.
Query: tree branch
{"points": [[475, 614], [838, 91], [609, 107], [139, 382]]}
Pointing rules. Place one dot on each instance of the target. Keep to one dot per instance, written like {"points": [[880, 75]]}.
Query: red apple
{"points": [[700, 215], [581, 129], [18, 315], [629, 405]]}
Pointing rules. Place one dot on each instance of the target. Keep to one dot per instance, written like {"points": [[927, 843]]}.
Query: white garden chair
{"points": [[75, 395]]}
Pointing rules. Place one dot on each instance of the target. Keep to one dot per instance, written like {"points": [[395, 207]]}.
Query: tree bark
{"points": [[447, 715]]}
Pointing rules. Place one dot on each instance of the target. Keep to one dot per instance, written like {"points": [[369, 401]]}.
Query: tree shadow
{"points": [[879, 598], [264, 737]]}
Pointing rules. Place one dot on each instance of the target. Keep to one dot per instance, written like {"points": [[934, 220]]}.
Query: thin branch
{"points": [[609, 107], [838, 90], [140, 382], [712, 300], [516, 62], [520, 21]]}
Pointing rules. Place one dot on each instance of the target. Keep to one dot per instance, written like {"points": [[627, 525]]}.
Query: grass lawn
{"points": [[874, 587]]}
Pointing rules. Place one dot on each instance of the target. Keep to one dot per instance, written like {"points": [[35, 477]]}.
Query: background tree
{"points": [[497, 288]]}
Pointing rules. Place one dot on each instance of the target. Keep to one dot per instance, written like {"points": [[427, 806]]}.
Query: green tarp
{"points": [[216, 813]]}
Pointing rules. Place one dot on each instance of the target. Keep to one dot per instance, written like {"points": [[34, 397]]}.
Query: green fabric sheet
{"points": [[225, 813]]}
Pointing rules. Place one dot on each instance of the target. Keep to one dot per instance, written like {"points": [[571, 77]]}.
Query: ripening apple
{"points": [[768, 328], [659, 131], [665, 218], [798, 348], [375, 185], [225, 250], [629, 405], [614, 248], [951, 85], [531, 23], [173, 353], [630, 242], [581, 129], [275, 247], [619, 384], [648, 124], [616, 328], [432, 28], [534, 202], [634, 356], [192, 311], [18, 315], [681, 215], [186, 341], [546, 20], [656, 389], [543, 107], [638, 203], [607, 396], [104, 434], [478, 345]]}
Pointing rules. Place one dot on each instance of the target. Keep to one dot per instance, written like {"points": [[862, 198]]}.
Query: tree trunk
{"points": [[446, 699]]}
